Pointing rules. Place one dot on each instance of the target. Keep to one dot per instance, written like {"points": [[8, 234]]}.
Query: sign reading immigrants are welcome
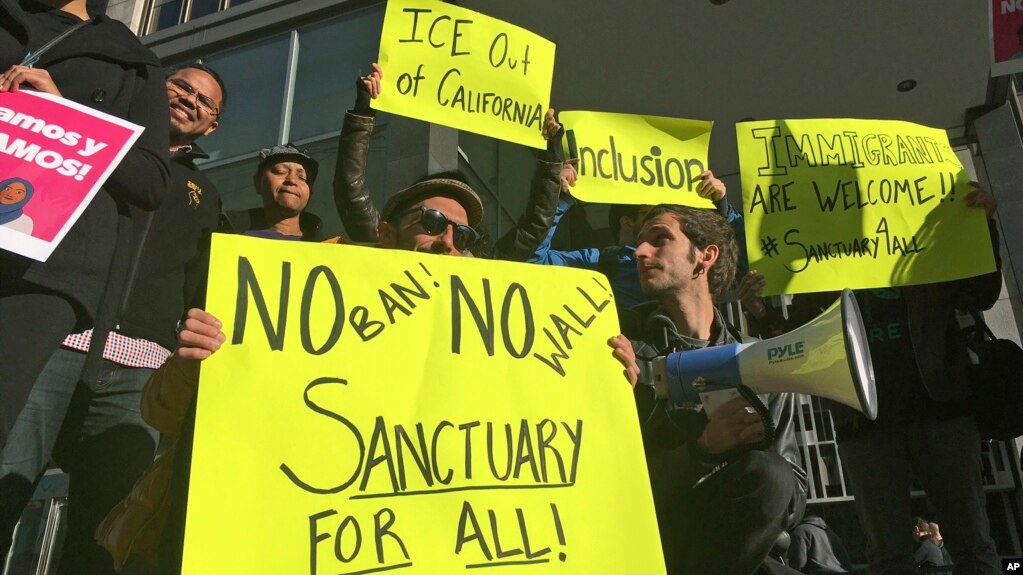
{"points": [[380, 410], [832, 204]]}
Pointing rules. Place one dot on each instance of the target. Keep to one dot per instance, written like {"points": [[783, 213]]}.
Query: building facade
{"points": [[290, 68]]}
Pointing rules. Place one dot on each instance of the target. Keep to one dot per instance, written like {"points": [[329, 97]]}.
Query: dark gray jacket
{"points": [[816, 549], [664, 428]]}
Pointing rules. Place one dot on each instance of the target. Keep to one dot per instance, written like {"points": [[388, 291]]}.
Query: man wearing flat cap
{"points": [[284, 180], [437, 214], [363, 223]]}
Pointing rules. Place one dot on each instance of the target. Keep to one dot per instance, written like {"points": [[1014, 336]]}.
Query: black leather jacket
{"points": [[351, 194], [653, 334], [360, 216]]}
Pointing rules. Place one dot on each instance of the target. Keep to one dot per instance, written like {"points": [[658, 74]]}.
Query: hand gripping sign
{"points": [[379, 410], [833, 204], [54, 156]]}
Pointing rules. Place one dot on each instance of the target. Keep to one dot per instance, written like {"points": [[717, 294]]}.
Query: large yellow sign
{"points": [[455, 67], [832, 204], [379, 410], [629, 159]]}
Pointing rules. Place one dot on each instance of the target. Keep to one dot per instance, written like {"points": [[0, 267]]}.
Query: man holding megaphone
{"points": [[726, 479]]}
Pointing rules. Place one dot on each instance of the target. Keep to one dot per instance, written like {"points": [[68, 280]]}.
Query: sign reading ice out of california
{"points": [[832, 204], [54, 156], [382, 410], [458, 68]]}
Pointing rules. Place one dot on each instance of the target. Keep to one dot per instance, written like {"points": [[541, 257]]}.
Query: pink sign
{"points": [[54, 156], [1006, 36]]}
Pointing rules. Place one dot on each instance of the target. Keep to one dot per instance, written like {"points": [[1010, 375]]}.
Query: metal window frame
{"points": [[185, 14], [149, 18], [251, 21]]}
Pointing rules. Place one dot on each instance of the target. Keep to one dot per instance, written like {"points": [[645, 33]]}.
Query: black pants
{"points": [[728, 522]]}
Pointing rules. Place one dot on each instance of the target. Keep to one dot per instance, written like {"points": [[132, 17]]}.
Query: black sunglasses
{"points": [[435, 222]]}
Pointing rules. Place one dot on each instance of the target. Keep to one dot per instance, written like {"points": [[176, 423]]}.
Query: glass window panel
{"points": [[236, 3], [202, 8], [482, 154], [331, 57], [496, 220], [516, 165], [481, 160], [255, 77], [166, 13], [506, 170], [234, 183]]}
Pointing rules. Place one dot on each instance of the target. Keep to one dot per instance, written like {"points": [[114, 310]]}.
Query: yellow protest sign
{"points": [[630, 159], [833, 204], [455, 67], [378, 410]]}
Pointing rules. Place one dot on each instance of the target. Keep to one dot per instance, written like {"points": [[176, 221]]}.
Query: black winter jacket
{"points": [[173, 254], [104, 66]]}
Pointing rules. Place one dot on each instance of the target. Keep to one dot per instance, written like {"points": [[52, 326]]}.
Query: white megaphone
{"points": [[828, 357]]}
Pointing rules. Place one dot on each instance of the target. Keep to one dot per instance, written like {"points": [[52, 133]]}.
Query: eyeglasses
{"points": [[435, 222], [202, 100]]}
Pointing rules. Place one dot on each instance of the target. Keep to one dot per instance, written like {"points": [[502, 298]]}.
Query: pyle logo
{"points": [[785, 352]]}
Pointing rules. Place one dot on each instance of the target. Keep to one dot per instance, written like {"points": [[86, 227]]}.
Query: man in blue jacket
{"points": [[618, 262]]}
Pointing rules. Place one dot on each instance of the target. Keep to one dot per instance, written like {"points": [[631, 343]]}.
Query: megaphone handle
{"points": [[770, 430]]}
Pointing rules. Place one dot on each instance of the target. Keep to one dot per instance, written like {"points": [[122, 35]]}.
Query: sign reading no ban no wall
{"points": [[386, 410]]}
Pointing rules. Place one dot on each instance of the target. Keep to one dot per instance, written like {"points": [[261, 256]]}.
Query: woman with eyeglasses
{"points": [[71, 49]]}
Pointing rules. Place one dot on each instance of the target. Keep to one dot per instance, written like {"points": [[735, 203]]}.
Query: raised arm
{"points": [[712, 188], [351, 194], [520, 243]]}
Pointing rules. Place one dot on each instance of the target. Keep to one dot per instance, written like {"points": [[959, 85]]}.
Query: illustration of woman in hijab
{"points": [[14, 194]]}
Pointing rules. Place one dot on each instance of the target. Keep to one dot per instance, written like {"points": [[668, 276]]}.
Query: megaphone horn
{"points": [[828, 357]]}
